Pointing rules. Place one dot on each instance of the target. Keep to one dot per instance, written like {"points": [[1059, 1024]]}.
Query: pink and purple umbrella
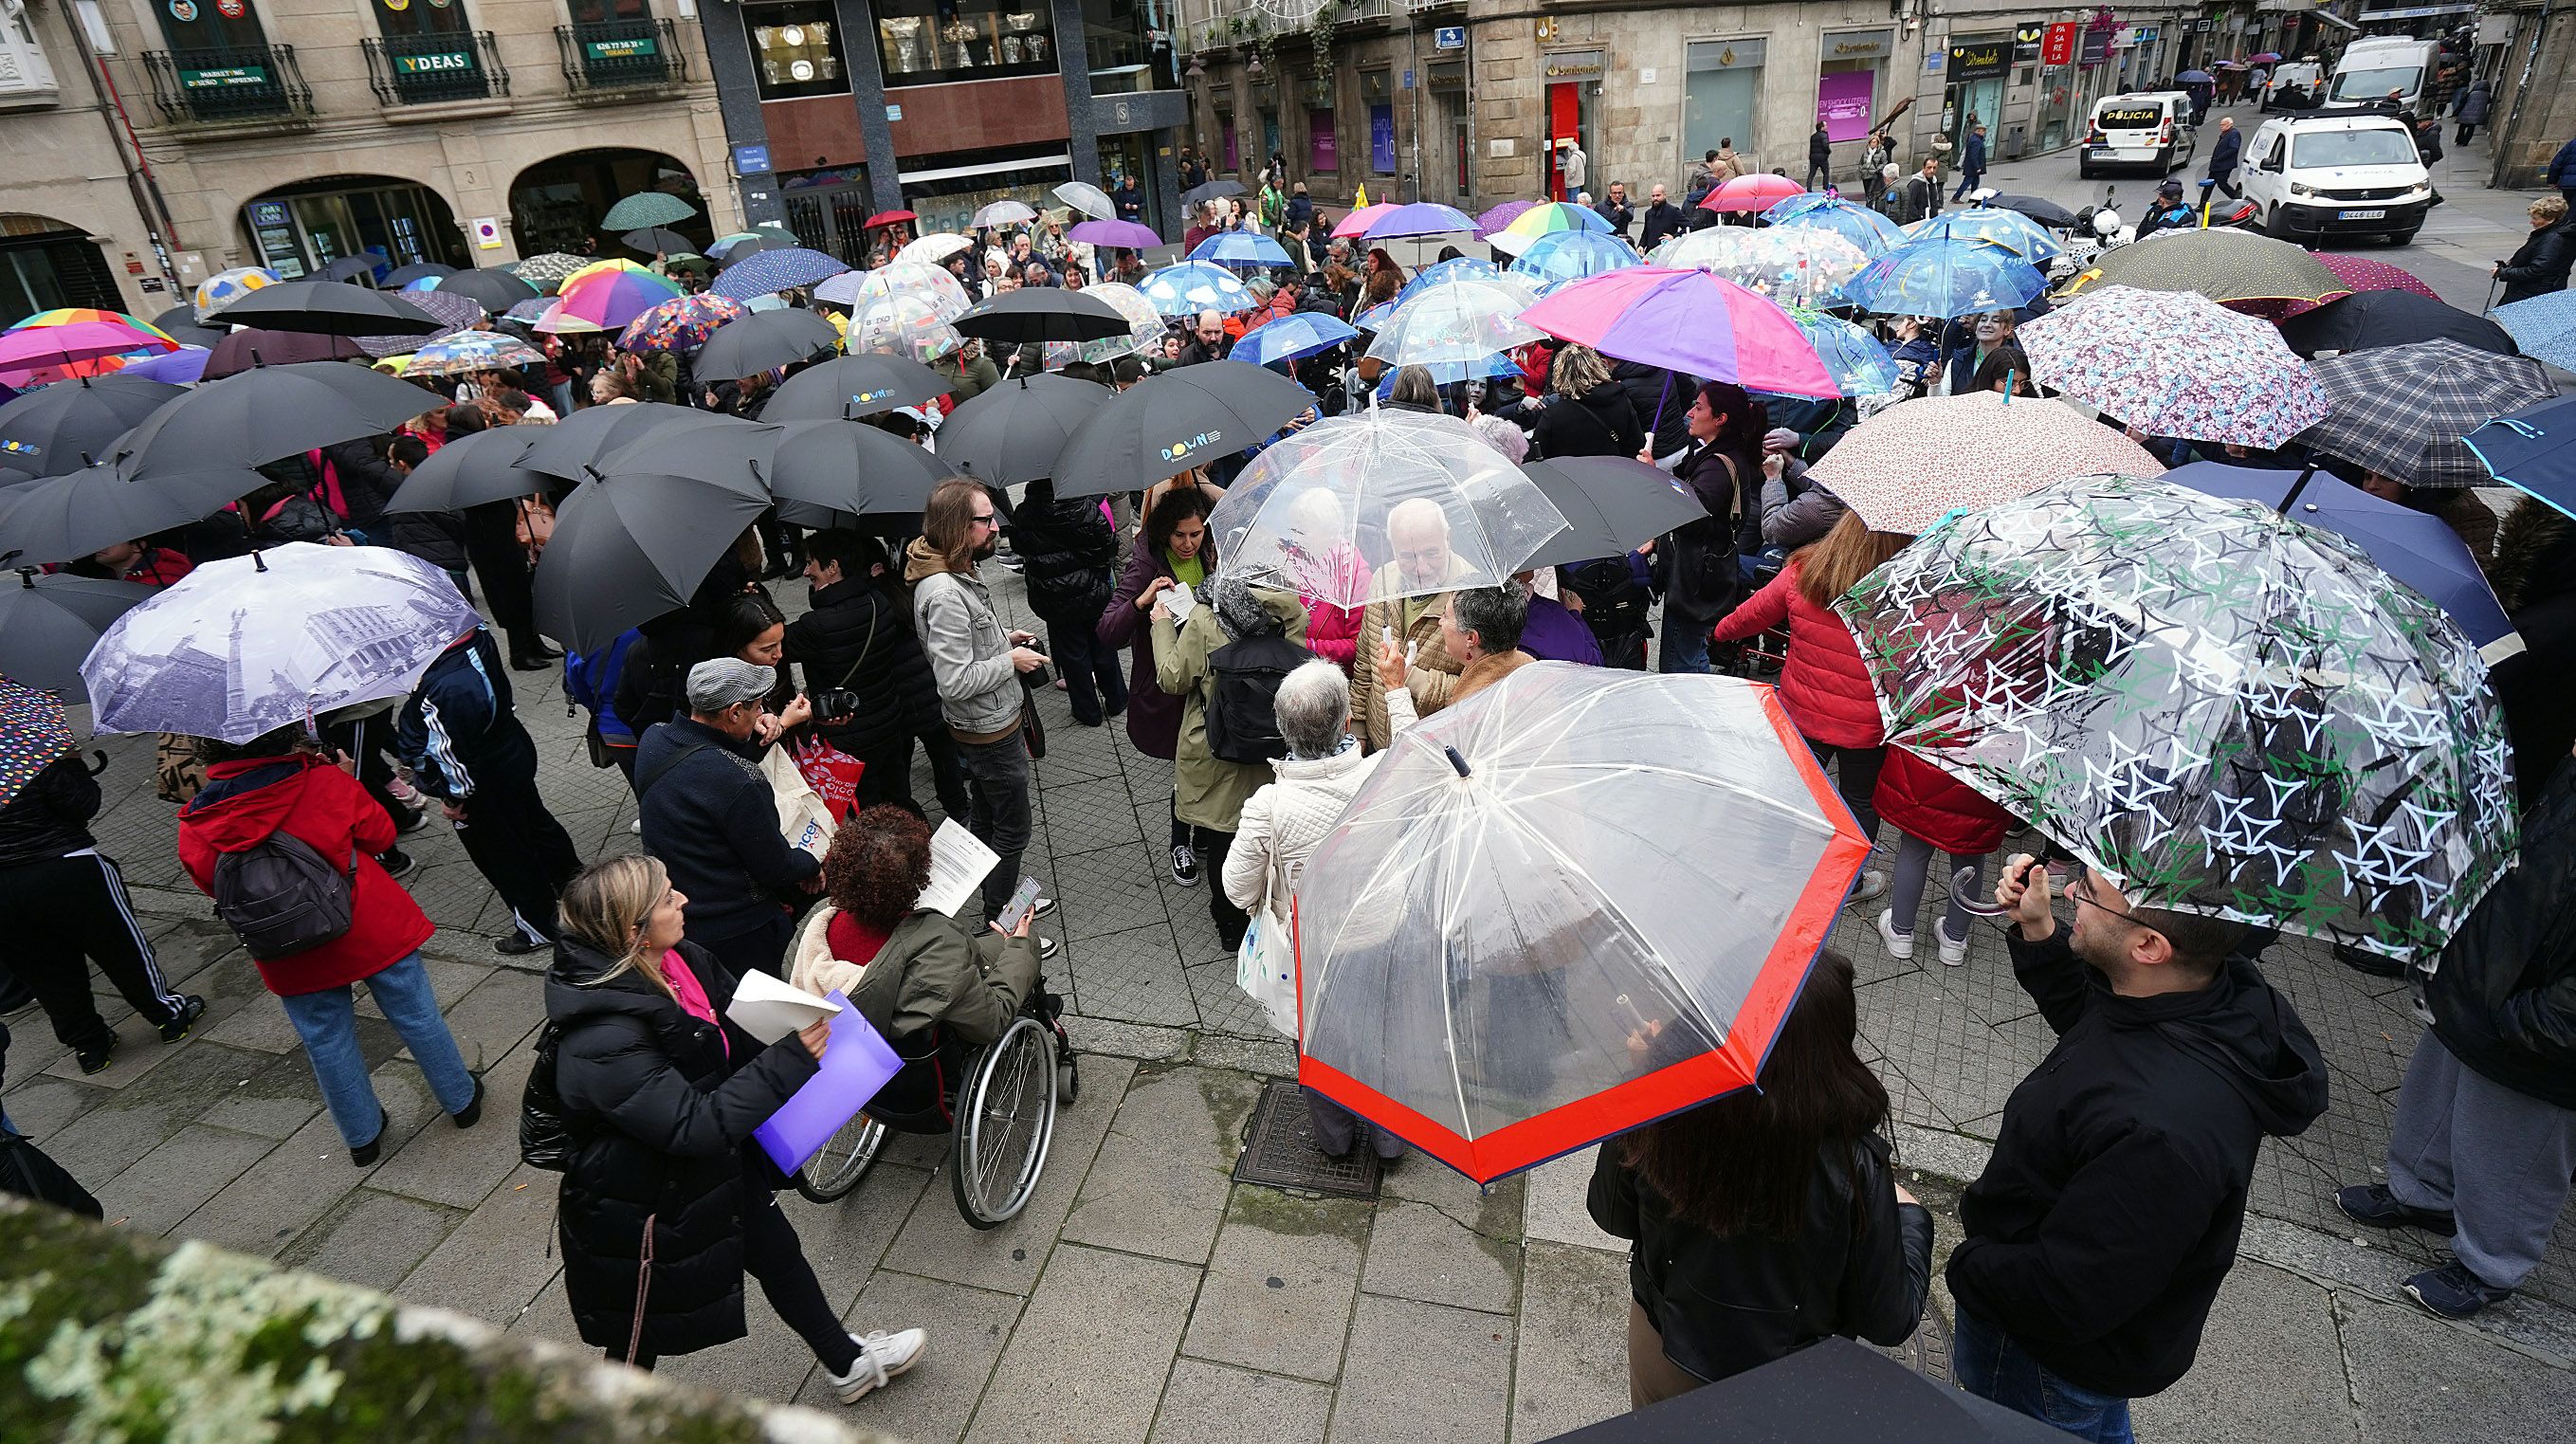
{"points": [[610, 299], [1422, 218], [37, 348], [1118, 235], [1355, 224], [1691, 322]]}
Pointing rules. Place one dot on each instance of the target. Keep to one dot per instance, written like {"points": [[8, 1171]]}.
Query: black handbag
{"points": [[545, 1140], [25, 1170]]}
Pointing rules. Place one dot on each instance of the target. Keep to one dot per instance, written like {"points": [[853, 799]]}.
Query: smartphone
{"points": [[1018, 907]]}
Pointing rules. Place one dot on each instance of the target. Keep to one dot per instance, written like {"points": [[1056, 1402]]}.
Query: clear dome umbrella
{"points": [[1129, 302], [1790, 264], [1462, 320], [855, 289], [908, 324], [1381, 504], [1513, 944]]}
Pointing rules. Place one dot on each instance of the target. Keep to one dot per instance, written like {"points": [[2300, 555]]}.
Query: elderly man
{"points": [[1207, 339], [1418, 531], [2224, 156], [1481, 627], [709, 815], [1663, 218]]}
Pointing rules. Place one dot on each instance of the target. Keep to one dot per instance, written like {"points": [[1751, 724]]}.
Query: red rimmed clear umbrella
{"points": [[1751, 193]]}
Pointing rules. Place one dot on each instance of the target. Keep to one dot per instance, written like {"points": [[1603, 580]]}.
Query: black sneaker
{"points": [[472, 1112], [1185, 866], [2452, 1292], [1044, 907], [95, 1060], [518, 944], [397, 863], [191, 1008], [364, 1155], [2372, 1204]]}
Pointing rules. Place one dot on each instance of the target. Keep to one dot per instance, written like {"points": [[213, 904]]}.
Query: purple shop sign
{"points": [[856, 1064], [1843, 103], [1382, 139], [1324, 155]]}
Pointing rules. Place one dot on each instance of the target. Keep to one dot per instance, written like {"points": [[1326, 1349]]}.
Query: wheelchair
{"points": [[997, 1106]]}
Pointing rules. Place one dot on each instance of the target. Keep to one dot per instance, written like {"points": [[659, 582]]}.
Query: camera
{"points": [[832, 704]]}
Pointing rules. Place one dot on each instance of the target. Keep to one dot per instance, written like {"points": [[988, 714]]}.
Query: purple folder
{"points": [[856, 1063]]}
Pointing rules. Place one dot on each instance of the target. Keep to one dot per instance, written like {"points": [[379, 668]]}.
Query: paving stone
{"points": [[2418, 1378], [1555, 1209], [122, 1125], [932, 1403], [42, 1106], [1125, 1040], [459, 1167], [498, 1260], [1271, 1057], [1090, 816], [1966, 1066], [845, 1241], [372, 1239], [1417, 1371], [1573, 1343], [1160, 1183], [1107, 892], [277, 1097], [504, 1009], [1224, 1008], [1211, 1404], [1417, 1251], [140, 1050], [1056, 1379], [1279, 1285], [2293, 1391], [549, 1314], [1133, 975], [296, 1182], [768, 1362], [175, 1179]]}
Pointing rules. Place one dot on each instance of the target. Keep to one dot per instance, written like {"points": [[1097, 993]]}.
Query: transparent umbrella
{"points": [[1463, 320], [906, 324], [1512, 945], [1791, 264], [1146, 331], [1381, 504], [898, 278]]}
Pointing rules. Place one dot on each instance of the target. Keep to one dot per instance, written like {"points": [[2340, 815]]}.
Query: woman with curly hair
{"points": [[903, 966]]}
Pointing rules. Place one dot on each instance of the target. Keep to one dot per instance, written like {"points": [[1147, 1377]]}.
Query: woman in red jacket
{"points": [[1931, 809], [279, 781], [1824, 686]]}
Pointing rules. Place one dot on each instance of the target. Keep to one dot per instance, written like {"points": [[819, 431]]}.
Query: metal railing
{"points": [[606, 59], [219, 85], [429, 69]]}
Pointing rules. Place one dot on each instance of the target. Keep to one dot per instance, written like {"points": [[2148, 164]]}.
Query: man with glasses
{"points": [[2100, 1230]]}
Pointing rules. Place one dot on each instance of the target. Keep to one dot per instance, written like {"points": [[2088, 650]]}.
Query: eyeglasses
{"points": [[2080, 888], [982, 518]]}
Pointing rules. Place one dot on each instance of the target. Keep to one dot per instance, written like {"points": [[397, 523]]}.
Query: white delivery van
{"points": [[2305, 74], [2150, 129], [2337, 173], [2371, 68]]}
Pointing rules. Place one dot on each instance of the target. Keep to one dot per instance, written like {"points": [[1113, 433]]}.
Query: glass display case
{"points": [[795, 49], [925, 42]]}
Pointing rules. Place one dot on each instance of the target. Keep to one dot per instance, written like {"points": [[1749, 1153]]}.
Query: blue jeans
{"points": [[1987, 1363], [327, 1022], [1685, 648]]}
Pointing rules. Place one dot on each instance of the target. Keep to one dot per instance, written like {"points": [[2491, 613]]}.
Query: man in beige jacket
{"points": [[1418, 530]]}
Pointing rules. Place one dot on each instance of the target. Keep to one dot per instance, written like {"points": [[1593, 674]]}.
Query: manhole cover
{"points": [[1928, 1352], [1279, 1150]]}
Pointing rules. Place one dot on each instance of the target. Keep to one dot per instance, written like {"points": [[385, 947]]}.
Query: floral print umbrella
{"points": [[2175, 363], [548, 270], [2228, 712], [679, 324], [1909, 466]]}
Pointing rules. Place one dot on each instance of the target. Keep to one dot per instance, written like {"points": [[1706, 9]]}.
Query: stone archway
{"points": [[298, 229], [45, 263], [557, 204]]}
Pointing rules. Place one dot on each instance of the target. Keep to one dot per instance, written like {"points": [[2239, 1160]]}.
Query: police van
{"points": [[2153, 130]]}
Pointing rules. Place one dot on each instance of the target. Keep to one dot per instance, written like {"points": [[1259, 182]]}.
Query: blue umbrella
{"points": [[2415, 547], [2010, 229], [769, 272], [1241, 248], [2534, 448], [1194, 286], [1374, 318], [1561, 256], [1456, 268], [1945, 278], [1859, 225], [1292, 337], [2543, 326], [1858, 361]]}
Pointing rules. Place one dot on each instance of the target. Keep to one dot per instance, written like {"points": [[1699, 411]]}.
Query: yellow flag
{"points": [[1362, 202]]}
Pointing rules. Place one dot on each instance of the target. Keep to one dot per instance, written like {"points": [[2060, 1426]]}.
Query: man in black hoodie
{"points": [[2098, 1235]]}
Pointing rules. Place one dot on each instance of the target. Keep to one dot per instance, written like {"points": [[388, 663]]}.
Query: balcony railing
{"points": [[608, 59], [432, 69], [220, 85]]}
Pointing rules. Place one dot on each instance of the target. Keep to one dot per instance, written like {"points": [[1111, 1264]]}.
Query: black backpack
{"points": [[1242, 711], [282, 898]]}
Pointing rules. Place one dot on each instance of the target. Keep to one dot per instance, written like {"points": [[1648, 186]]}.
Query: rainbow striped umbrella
{"points": [[609, 298], [1540, 220]]}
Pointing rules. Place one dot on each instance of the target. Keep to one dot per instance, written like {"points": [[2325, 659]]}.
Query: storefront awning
{"points": [[2416, 12], [2332, 18]]}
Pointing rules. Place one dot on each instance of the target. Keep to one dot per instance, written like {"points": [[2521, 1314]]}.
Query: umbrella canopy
{"points": [[1464, 320], [1356, 224], [635, 540], [862, 471], [1465, 268], [223, 288], [2226, 712], [659, 241], [1942, 277], [1559, 257], [1087, 198], [1422, 218], [1875, 234], [48, 431], [1206, 191], [2047, 212], [2361, 273], [350, 268], [1690, 322], [495, 291], [2192, 77], [1909, 466], [1015, 431], [1499, 962], [2401, 410], [1611, 504], [74, 315], [332, 308], [1144, 328], [1195, 286], [1858, 361], [569, 448], [911, 323], [453, 311], [251, 348], [1043, 314], [470, 351], [607, 299], [1751, 193], [2543, 326], [548, 270], [1117, 235], [1796, 265], [528, 312], [2224, 265], [646, 208], [1241, 248], [773, 271], [2367, 320], [993, 214], [48, 624], [1173, 421], [269, 412], [855, 289], [682, 323], [2415, 547], [472, 470], [1312, 512], [246, 645], [2532, 450], [1554, 216], [66, 346], [1495, 220], [1290, 338], [2175, 363], [931, 250], [2009, 229], [402, 277], [887, 218], [176, 368], [846, 388], [750, 242], [67, 517]]}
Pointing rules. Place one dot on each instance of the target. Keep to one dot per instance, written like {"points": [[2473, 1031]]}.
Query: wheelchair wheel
{"points": [[1005, 1119], [829, 1175]]}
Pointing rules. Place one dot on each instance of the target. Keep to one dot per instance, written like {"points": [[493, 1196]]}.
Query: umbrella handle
{"points": [[2296, 487], [98, 764], [1457, 761]]}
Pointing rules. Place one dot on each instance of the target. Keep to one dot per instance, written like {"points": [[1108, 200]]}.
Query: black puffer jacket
{"points": [[2535, 577], [1696, 567], [1859, 1266], [50, 815], [1661, 399], [1600, 423], [366, 482], [1070, 551], [2503, 999], [654, 681], [2539, 265], [860, 637], [664, 1105]]}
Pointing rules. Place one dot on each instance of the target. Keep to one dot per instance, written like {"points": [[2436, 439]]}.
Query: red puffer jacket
{"points": [[1924, 801], [318, 804], [1824, 685]]}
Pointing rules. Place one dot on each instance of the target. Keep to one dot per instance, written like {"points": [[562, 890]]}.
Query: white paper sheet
{"points": [[1182, 602], [959, 861], [769, 1009]]}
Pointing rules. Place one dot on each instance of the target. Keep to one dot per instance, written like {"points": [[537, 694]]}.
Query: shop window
{"points": [[23, 71], [796, 49], [1130, 45], [1381, 122], [1721, 94], [1324, 152], [925, 42], [949, 189], [43, 266]]}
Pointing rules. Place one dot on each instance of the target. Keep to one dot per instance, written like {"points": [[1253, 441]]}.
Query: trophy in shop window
{"points": [[1024, 24], [904, 50]]}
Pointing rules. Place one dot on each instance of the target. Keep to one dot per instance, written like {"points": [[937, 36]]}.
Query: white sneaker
{"points": [[1873, 886], [1899, 945], [636, 827], [882, 1356], [1046, 947], [1954, 953]]}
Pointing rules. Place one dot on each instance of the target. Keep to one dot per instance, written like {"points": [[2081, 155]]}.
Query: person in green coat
{"points": [[969, 372], [1211, 791]]}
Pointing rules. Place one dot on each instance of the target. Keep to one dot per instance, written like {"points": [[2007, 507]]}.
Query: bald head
{"points": [[1419, 531]]}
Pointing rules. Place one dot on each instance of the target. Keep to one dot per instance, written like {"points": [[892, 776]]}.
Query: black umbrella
{"points": [[2047, 213], [266, 413], [1215, 190], [401, 276], [1832, 1392], [245, 349], [331, 308], [50, 430], [494, 291], [1043, 314], [49, 623], [182, 314], [763, 341], [65, 518], [348, 268], [856, 470], [660, 241], [1166, 424], [471, 470], [567, 448], [204, 338], [1611, 504], [2368, 320], [846, 388], [1013, 432], [636, 541], [728, 453]]}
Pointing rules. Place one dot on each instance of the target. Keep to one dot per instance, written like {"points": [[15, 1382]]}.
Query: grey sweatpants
{"points": [[2497, 1160]]}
